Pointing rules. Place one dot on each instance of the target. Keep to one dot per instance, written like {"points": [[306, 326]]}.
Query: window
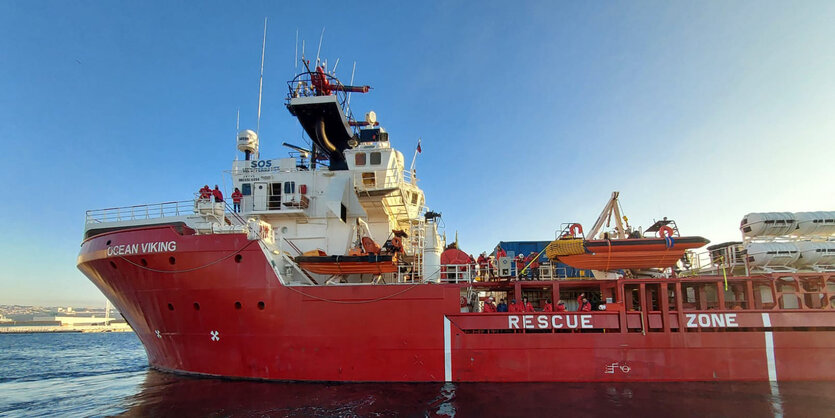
{"points": [[359, 158], [376, 158], [289, 187], [343, 213], [246, 189]]}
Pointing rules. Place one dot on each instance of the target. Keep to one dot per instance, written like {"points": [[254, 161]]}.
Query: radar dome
{"points": [[248, 142]]}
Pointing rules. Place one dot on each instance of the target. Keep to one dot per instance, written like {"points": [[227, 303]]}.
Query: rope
{"points": [[346, 302], [191, 269]]}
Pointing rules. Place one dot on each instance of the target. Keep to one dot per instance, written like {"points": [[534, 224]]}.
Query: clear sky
{"points": [[531, 113]]}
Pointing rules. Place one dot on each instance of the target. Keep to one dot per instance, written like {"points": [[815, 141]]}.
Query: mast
{"points": [[261, 82]]}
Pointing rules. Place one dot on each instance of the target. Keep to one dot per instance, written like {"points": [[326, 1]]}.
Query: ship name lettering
{"points": [[549, 321], [727, 320], [145, 247]]}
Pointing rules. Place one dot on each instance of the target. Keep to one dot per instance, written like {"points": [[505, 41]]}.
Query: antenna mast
{"points": [[261, 82]]}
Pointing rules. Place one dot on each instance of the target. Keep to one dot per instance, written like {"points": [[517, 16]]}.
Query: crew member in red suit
{"points": [[514, 307], [560, 306], [520, 264], [205, 192], [236, 200], [482, 266], [548, 307], [500, 252], [534, 266], [585, 305], [217, 194], [489, 306], [526, 306]]}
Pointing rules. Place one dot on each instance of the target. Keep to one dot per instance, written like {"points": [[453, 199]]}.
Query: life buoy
{"points": [[665, 232], [576, 229]]}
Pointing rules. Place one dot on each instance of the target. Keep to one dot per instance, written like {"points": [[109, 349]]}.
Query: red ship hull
{"points": [[201, 309]]}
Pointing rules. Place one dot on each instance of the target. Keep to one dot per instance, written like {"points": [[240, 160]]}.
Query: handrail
{"points": [[134, 212]]}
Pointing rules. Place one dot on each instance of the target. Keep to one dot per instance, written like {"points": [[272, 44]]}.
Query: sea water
{"points": [[107, 374]]}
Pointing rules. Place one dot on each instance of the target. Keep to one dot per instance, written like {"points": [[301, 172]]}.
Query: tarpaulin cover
{"points": [[454, 256]]}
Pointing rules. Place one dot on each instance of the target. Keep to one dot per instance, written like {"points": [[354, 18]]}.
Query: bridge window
{"points": [[359, 159], [376, 158]]}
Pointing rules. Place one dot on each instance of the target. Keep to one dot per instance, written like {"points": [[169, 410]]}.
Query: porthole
{"points": [[143, 262], [196, 306], [170, 307], [261, 305], [238, 258], [172, 260], [237, 305], [112, 264], [108, 242]]}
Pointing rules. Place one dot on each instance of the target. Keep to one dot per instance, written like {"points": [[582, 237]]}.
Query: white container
{"points": [[815, 254], [768, 224], [815, 224], [772, 254]]}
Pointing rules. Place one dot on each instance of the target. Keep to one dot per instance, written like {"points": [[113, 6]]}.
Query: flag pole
{"points": [[417, 151]]}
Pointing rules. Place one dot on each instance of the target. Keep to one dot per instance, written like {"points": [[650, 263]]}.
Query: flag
{"points": [[418, 147]]}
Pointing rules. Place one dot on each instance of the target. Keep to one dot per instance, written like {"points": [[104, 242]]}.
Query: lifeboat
{"points": [[368, 259], [635, 252]]}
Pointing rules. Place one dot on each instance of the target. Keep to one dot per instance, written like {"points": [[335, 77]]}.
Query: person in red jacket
{"points": [[534, 266], [514, 307], [526, 306], [500, 252], [205, 192], [585, 305], [236, 200], [482, 266], [520, 264], [489, 306], [548, 307], [560, 306], [217, 194]]}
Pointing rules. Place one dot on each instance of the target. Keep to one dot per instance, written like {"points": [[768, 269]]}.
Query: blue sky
{"points": [[531, 113]]}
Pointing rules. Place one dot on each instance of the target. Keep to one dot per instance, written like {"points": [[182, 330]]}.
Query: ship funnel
{"points": [[248, 143]]}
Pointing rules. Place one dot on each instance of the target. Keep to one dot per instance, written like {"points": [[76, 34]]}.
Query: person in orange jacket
{"points": [[236, 200], [500, 252], [548, 307], [520, 264], [560, 306], [526, 306], [489, 307]]}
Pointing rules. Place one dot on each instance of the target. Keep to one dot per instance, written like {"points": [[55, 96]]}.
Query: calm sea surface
{"points": [[107, 374]]}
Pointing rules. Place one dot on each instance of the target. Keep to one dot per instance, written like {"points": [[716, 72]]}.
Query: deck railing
{"points": [[149, 211]]}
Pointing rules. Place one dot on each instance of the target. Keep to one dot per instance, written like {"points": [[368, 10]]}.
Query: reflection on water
{"points": [[165, 394], [106, 374]]}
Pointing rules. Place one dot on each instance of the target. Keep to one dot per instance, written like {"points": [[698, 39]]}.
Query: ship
{"points": [[328, 267]]}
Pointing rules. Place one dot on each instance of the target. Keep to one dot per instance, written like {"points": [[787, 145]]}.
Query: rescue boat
{"points": [[622, 248]]}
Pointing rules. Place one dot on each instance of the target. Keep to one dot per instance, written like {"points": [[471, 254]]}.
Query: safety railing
{"points": [[137, 212], [380, 178]]}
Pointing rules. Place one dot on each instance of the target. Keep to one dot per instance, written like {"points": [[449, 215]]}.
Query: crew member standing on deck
{"points": [[236, 200], [526, 306], [534, 266], [217, 195], [520, 264], [548, 307], [502, 306], [489, 307], [585, 305], [560, 306], [482, 266], [205, 192], [514, 307]]}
